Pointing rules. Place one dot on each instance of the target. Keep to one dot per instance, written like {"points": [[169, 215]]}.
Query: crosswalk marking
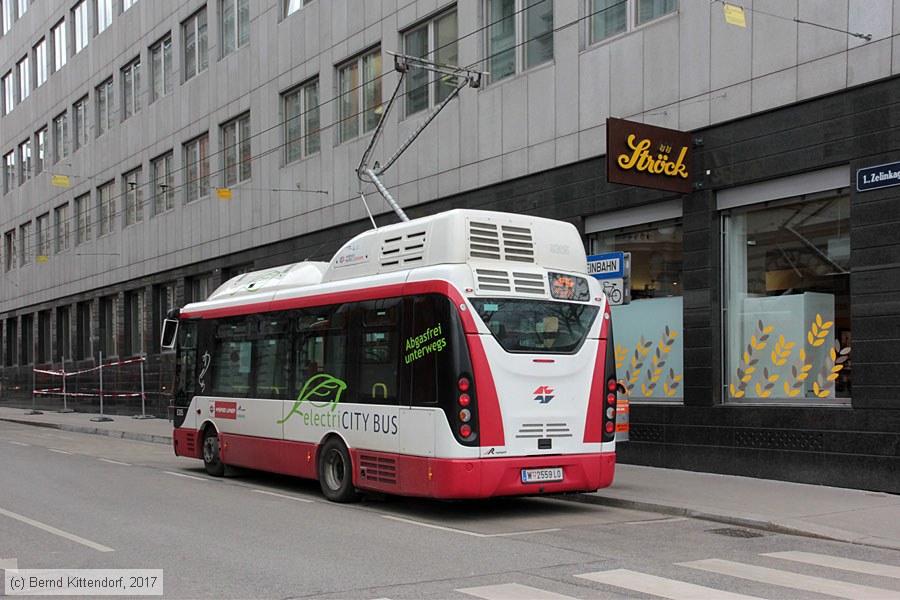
{"points": [[834, 562], [512, 591], [660, 586], [787, 579]]}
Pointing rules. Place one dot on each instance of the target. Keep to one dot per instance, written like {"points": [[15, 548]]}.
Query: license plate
{"points": [[542, 475]]}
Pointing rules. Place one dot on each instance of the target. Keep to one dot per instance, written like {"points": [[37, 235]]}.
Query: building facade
{"points": [[151, 150]]}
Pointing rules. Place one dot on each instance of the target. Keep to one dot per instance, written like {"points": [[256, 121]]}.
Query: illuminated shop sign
{"points": [[648, 156]]}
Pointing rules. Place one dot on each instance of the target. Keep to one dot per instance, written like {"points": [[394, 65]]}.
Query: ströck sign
{"points": [[648, 156], [881, 176]]}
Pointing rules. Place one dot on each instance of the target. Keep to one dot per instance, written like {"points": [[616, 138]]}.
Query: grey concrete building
{"points": [[153, 148]]}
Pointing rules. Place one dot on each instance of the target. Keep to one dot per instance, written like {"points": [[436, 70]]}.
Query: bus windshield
{"points": [[536, 326]]}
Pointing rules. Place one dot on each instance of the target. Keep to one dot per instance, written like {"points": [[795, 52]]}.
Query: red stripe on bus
{"points": [[593, 426], [480, 478], [490, 419], [267, 454]]}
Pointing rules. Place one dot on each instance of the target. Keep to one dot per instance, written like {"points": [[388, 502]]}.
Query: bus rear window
{"points": [[536, 326]]}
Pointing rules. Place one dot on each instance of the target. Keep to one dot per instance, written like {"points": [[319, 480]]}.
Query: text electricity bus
{"points": [[461, 355]]}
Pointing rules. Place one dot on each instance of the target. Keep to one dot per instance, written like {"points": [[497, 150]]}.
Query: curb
{"points": [[125, 435], [835, 535]]}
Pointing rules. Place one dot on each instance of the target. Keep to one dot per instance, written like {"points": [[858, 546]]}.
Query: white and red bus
{"points": [[461, 355]]}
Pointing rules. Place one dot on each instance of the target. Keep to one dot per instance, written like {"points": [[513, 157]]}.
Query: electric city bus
{"points": [[461, 355]]}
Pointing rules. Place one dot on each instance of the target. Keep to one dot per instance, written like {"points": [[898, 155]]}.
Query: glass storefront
{"points": [[648, 332], [787, 299]]}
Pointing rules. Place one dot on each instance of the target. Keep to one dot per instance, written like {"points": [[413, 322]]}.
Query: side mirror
{"points": [[169, 333]]}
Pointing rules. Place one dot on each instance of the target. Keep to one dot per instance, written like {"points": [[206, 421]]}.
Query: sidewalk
{"points": [[855, 516]]}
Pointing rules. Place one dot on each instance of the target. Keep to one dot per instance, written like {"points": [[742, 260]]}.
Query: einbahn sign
{"points": [[648, 156]]}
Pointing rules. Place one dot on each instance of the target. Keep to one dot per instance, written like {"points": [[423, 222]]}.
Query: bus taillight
{"points": [[465, 415], [610, 426], [463, 384], [464, 400], [465, 431]]}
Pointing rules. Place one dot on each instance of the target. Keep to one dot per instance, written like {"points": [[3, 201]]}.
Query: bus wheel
{"points": [[211, 457], [336, 472]]}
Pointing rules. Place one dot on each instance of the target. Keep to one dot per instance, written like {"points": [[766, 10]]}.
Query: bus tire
{"points": [[336, 472], [212, 456]]}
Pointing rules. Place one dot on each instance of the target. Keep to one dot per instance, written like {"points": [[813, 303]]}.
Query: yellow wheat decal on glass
{"points": [[749, 361], [659, 362]]}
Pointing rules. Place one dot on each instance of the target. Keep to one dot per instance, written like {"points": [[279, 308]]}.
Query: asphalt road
{"points": [[70, 500]]}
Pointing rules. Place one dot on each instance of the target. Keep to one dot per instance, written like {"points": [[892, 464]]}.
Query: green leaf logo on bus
{"points": [[320, 391]]}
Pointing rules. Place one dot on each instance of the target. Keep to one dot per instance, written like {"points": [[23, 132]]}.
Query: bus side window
{"points": [[378, 359], [420, 351], [320, 346]]}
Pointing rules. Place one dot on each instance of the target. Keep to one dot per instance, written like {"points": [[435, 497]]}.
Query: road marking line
{"points": [[187, 476], [653, 521], [58, 451], [660, 586], [463, 531], [787, 579], [846, 564], [512, 591], [114, 462], [55, 531], [19, 443], [268, 493]]}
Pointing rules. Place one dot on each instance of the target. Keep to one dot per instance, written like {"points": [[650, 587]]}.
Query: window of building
{"points": [[104, 97], [359, 86], [161, 68], [435, 40], [787, 286], [651, 9], [40, 63], [23, 68], [40, 156], [104, 14], [649, 331], [9, 93], [301, 121], [80, 25], [63, 329], [200, 287], [8, 14], [162, 183], [83, 330], [60, 137], [108, 326], [9, 172], [26, 350], [292, 6], [25, 165], [106, 208], [196, 59], [26, 244], [134, 322], [12, 334], [42, 231], [236, 150], [80, 124], [196, 159], [133, 197], [82, 219], [235, 24], [126, 4], [607, 18], [22, 7], [43, 349], [60, 50], [164, 300], [519, 35], [9, 250], [63, 227], [131, 88]]}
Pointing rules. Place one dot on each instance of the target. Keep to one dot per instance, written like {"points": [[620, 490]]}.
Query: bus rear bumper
{"points": [[186, 442], [485, 478]]}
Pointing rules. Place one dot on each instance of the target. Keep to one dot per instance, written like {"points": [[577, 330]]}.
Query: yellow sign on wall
{"points": [[59, 181], [734, 15]]}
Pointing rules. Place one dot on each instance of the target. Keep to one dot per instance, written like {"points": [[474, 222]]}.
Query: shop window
{"points": [[648, 331], [787, 279]]}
